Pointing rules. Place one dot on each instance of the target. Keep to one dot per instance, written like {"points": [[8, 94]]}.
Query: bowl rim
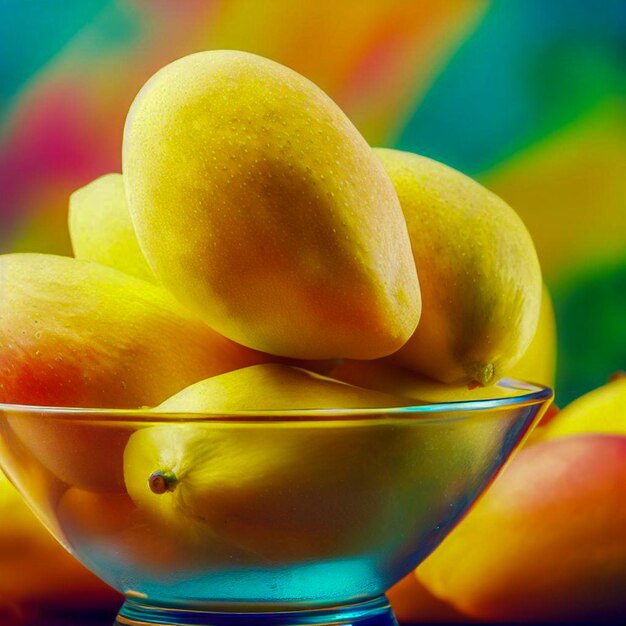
{"points": [[533, 394]]}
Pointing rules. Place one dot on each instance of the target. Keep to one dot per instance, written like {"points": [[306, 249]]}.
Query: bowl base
{"points": [[376, 612]]}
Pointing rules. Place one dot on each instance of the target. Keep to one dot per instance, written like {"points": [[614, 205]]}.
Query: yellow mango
{"points": [[601, 411], [277, 493], [76, 333], [273, 387], [36, 572], [546, 543], [101, 229], [261, 207], [479, 273], [387, 377], [538, 364]]}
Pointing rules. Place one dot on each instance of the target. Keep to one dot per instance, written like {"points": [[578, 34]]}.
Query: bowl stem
{"points": [[376, 612]]}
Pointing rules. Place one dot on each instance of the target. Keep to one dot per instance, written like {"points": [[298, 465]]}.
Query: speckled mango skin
{"points": [[479, 273], [101, 229], [75, 333], [260, 206]]}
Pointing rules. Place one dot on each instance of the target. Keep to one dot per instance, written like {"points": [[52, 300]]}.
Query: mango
{"points": [[79, 334], [36, 573], [275, 493], [546, 543], [259, 205], [602, 410], [387, 377], [479, 274], [538, 364], [273, 387], [101, 229], [412, 603], [111, 536], [75, 333]]}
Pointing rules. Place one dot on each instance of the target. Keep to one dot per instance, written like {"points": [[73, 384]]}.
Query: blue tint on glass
{"points": [[375, 612]]}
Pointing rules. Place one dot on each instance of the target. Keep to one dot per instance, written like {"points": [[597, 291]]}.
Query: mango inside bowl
{"points": [[275, 517]]}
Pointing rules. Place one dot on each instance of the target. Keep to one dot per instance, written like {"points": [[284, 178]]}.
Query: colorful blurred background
{"points": [[528, 96]]}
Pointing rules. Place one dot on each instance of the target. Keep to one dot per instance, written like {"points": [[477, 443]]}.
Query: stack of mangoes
{"points": [[253, 224], [257, 254]]}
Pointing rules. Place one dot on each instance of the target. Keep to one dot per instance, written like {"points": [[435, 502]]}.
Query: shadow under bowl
{"points": [[291, 517]]}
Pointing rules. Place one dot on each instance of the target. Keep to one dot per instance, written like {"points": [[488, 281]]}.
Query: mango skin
{"points": [[101, 229], [602, 410], [546, 543], [479, 273], [273, 387], [260, 206], [386, 377], [36, 573], [78, 334], [412, 603], [252, 490], [538, 363]]}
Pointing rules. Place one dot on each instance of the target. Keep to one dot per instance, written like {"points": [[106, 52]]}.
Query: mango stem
{"points": [[162, 481]]}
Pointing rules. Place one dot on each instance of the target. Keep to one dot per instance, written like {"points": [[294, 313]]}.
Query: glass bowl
{"points": [[291, 517]]}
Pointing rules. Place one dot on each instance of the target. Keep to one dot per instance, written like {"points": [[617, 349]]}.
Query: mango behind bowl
{"points": [[412, 603], [546, 543], [601, 411], [261, 207], [74, 333], [36, 573]]}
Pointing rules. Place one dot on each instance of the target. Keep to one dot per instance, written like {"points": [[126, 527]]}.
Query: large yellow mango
{"points": [[260, 206], [479, 273]]}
